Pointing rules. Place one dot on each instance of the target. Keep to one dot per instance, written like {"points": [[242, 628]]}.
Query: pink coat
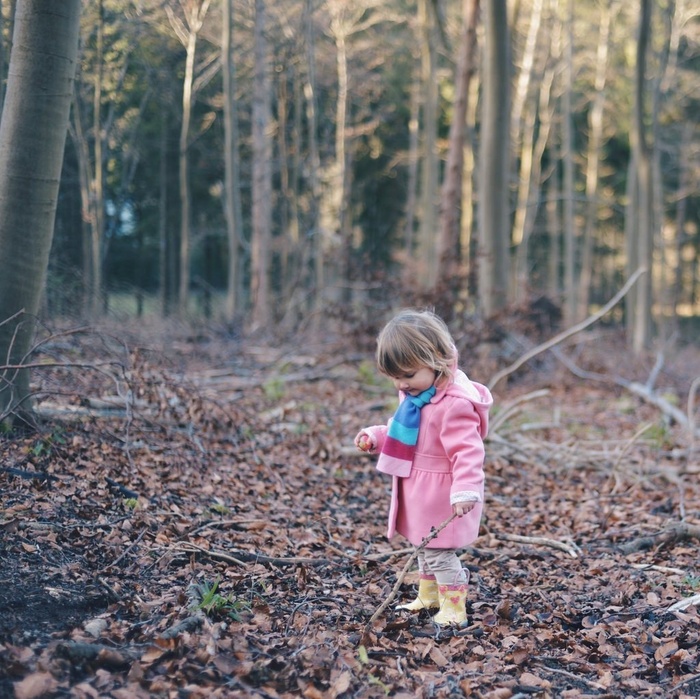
{"points": [[448, 465]]}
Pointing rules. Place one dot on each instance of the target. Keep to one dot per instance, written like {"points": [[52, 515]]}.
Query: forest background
{"points": [[275, 164]]}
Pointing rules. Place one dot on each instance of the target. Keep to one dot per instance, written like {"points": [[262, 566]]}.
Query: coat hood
{"points": [[478, 394]]}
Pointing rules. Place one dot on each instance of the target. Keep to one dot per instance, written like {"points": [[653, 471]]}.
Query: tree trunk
{"points": [[413, 160], [427, 261], [595, 143], [568, 185], [451, 202], [232, 199], [32, 141], [164, 268], [639, 328], [315, 247], [262, 176], [195, 12], [98, 219], [494, 219]]}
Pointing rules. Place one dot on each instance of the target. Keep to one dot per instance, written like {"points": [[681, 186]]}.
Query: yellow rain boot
{"points": [[453, 604], [427, 597]]}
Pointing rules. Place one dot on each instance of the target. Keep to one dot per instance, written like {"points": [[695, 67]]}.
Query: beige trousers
{"points": [[444, 565]]}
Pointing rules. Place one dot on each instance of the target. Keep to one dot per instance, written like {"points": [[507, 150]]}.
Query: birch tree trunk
{"points": [[32, 140], [262, 176], [494, 219]]}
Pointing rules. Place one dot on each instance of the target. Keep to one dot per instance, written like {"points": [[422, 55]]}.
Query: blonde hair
{"points": [[414, 339]]}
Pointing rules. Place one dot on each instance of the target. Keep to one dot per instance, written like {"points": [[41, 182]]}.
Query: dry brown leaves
{"points": [[213, 536]]}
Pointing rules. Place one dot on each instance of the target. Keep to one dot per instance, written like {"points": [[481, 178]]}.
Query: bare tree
{"points": [[32, 140]]}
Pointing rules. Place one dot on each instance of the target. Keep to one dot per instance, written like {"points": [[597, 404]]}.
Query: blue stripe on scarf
{"points": [[404, 426], [407, 435]]}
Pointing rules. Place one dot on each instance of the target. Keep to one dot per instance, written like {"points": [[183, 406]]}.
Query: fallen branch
{"points": [[94, 654], [671, 535], [566, 333], [28, 475], [402, 575], [684, 604], [242, 557], [658, 569], [512, 407], [571, 549]]}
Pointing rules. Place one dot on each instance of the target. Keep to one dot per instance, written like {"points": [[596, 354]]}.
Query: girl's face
{"points": [[416, 381]]}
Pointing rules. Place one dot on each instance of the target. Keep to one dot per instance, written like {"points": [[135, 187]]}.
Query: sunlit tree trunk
{"points": [[232, 200], [451, 199], [32, 140], [262, 176], [494, 219]]}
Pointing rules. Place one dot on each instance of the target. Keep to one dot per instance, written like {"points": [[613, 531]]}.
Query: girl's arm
{"points": [[464, 447]]}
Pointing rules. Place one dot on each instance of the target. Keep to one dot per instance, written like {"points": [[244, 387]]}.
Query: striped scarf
{"points": [[401, 439]]}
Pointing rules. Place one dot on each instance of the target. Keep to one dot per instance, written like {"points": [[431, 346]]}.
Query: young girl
{"points": [[433, 449]]}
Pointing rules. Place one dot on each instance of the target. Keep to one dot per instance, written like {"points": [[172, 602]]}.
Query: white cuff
{"points": [[465, 496]]}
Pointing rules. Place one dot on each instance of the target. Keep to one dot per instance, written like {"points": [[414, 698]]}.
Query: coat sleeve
{"points": [[377, 434], [464, 447]]}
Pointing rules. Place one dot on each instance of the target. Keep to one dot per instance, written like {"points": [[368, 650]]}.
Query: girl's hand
{"points": [[364, 442], [462, 508]]}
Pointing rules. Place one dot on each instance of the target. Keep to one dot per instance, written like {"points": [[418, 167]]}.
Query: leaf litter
{"points": [[195, 523]]}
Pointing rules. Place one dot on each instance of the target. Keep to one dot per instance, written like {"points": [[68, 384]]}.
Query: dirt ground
{"points": [[210, 532]]}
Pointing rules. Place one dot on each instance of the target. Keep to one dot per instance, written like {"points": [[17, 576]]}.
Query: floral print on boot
{"points": [[453, 604], [427, 597]]}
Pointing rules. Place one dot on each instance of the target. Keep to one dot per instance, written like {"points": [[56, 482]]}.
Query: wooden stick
{"points": [[566, 333], [539, 541], [402, 574]]}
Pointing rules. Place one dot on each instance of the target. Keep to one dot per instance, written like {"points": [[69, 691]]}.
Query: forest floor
{"points": [[193, 521]]}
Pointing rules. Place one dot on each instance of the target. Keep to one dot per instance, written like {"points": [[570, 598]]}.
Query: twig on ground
{"points": [[658, 569], [402, 574], [677, 532], [571, 548], [684, 604]]}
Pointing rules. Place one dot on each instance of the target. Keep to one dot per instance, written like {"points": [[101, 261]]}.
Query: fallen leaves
{"points": [[254, 491]]}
